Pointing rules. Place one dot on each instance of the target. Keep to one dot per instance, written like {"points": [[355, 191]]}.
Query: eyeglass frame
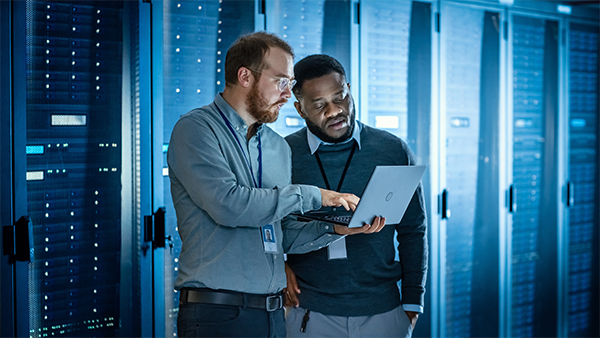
{"points": [[281, 83]]}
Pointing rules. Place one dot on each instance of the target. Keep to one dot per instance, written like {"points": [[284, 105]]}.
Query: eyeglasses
{"points": [[282, 82]]}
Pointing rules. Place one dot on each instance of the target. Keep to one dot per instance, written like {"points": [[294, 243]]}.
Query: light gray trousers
{"points": [[394, 323]]}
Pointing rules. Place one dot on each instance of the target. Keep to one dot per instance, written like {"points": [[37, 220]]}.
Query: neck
{"points": [[236, 98]]}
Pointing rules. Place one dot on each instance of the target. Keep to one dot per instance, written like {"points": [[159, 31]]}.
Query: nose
{"points": [[332, 110], [287, 92]]}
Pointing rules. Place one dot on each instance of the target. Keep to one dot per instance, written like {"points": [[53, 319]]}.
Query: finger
{"points": [[352, 200], [293, 285], [373, 226], [291, 298], [377, 225], [381, 224], [344, 203]]}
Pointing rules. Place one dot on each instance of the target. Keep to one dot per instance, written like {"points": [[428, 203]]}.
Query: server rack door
{"points": [[73, 166], [582, 189], [534, 237], [14, 307], [470, 162], [188, 73]]}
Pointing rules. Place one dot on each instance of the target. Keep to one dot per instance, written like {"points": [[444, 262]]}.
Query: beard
{"points": [[321, 134], [258, 107]]}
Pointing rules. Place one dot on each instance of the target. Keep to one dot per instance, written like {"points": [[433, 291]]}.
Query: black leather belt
{"points": [[207, 296]]}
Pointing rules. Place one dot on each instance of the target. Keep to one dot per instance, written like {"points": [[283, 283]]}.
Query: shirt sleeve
{"points": [[302, 237], [198, 161], [412, 245], [413, 308]]}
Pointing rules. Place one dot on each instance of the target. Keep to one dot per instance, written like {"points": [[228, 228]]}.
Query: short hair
{"points": [[314, 66], [249, 51]]}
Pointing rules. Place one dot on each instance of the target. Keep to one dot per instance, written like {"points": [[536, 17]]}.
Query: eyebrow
{"points": [[341, 92], [282, 75]]}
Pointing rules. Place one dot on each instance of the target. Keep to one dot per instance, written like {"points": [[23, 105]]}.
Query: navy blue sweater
{"points": [[365, 283]]}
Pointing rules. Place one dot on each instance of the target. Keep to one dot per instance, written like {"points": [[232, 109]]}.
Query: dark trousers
{"points": [[208, 320]]}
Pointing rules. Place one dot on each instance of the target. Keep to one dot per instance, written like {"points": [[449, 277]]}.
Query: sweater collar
{"points": [[314, 142]]}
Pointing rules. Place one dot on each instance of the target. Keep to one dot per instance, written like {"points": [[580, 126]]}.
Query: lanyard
{"points": [[259, 185], [343, 174]]}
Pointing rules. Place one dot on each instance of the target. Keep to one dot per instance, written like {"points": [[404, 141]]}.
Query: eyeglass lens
{"points": [[285, 82]]}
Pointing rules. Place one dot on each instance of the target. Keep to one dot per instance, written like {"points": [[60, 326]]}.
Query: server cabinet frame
{"points": [[14, 306]]}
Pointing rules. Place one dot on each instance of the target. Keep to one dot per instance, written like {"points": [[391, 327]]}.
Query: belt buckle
{"points": [[274, 303]]}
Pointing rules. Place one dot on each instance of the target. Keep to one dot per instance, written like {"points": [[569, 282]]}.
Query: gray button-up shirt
{"points": [[220, 210]]}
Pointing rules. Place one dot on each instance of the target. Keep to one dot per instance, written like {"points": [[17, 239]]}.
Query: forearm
{"points": [[302, 237], [413, 257], [245, 207]]}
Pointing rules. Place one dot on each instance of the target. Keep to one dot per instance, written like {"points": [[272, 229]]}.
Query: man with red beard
{"points": [[349, 289], [231, 187]]}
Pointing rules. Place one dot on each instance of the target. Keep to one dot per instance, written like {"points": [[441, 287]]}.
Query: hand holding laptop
{"points": [[376, 226]]}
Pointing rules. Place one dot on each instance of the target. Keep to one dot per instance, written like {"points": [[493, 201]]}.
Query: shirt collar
{"points": [[314, 142]]}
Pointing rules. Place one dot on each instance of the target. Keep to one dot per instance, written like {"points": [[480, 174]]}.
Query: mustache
{"points": [[283, 101], [343, 114]]}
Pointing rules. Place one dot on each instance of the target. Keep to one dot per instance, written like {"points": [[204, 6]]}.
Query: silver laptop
{"points": [[388, 193]]}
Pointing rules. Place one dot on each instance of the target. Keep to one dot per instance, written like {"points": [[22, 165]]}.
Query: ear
{"points": [[245, 77], [299, 109], [349, 88]]}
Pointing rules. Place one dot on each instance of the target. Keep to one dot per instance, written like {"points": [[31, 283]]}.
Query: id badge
{"points": [[269, 240], [337, 249]]}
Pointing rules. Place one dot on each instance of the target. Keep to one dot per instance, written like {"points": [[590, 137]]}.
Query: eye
{"points": [[282, 83], [340, 98]]}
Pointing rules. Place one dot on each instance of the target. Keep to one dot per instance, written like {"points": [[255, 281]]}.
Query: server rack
{"points": [[73, 166], [581, 195]]}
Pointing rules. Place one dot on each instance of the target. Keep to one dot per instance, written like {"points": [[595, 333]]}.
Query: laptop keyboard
{"points": [[338, 219]]}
